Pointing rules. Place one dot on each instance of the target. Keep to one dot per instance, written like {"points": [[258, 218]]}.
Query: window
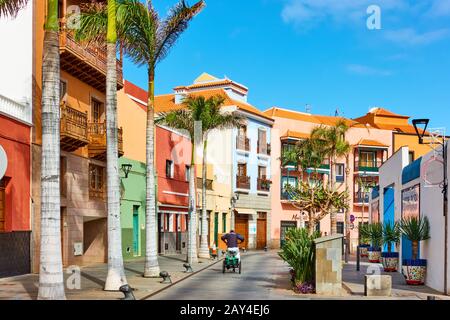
{"points": [[287, 147], [411, 156], [224, 222], [97, 111], [62, 89], [242, 169], [187, 173], [340, 227], [62, 172], [262, 141], [340, 172], [367, 159], [96, 181], [262, 172], [285, 181], [2, 204], [169, 168]]}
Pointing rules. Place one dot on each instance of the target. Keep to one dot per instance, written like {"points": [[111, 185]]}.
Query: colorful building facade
{"points": [[370, 147], [238, 163], [83, 144], [16, 93]]}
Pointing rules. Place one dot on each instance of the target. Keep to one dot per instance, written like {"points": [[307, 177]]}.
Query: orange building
{"points": [[83, 143]]}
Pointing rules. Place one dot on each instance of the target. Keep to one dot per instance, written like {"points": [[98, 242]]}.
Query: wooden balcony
{"points": [[74, 132], [242, 182], [97, 141], [264, 184], [99, 194], [86, 62], [242, 143]]}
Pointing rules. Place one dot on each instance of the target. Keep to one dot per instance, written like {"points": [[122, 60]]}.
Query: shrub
{"points": [[416, 230], [375, 231], [298, 251], [391, 234]]}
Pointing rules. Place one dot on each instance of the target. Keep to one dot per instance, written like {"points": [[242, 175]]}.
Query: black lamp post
{"points": [[420, 125], [126, 168]]}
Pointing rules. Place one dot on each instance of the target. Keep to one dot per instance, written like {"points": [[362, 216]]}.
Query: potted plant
{"points": [[416, 230], [391, 237], [298, 251], [376, 239], [364, 240]]}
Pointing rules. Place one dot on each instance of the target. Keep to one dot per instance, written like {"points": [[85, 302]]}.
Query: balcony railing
{"points": [[97, 140], [97, 193], [368, 166], [74, 129], [83, 60], [264, 184], [209, 184], [359, 197], [242, 182], [242, 143], [264, 148], [15, 109]]}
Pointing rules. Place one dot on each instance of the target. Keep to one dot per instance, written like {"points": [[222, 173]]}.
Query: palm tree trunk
{"points": [[192, 232], [347, 211], [415, 249], [116, 273], [204, 248], [333, 215], [151, 268], [51, 282]]}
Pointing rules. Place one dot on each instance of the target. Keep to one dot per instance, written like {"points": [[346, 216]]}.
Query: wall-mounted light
{"points": [[126, 168]]}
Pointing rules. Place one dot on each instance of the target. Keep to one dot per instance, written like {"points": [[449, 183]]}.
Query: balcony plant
{"points": [[376, 239], [416, 229], [364, 240], [391, 237], [298, 251]]}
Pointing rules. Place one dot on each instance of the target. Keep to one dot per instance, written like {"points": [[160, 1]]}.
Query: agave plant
{"points": [[298, 251], [415, 229], [391, 234], [375, 232], [364, 233]]}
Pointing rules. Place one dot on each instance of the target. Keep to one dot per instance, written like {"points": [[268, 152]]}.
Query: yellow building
{"points": [[403, 133]]}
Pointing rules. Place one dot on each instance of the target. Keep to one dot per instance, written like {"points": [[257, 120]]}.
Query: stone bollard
{"points": [[377, 285], [329, 265]]}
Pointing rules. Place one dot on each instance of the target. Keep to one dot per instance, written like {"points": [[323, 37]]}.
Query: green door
{"points": [[136, 230], [216, 228]]}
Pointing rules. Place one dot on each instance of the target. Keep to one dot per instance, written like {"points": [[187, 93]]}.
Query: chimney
{"points": [[180, 94]]}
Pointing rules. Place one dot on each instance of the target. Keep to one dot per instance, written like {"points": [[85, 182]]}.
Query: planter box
{"points": [[414, 271], [363, 250], [374, 255], [390, 261]]}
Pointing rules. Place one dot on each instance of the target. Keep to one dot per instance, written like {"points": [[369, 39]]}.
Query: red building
{"points": [[15, 223], [173, 153]]}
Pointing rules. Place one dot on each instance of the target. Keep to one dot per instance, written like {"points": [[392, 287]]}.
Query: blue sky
{"points": [[291, 53]]}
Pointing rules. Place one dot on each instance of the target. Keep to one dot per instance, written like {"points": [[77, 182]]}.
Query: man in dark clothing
{"points": [[231, 239]]}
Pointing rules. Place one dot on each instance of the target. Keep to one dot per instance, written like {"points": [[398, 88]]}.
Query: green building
{"points": [[132, 209]]}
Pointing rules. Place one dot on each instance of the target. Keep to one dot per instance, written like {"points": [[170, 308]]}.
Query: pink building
{"points": [[370, 148]]}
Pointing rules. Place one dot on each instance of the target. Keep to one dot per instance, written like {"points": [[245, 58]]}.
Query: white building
{"points": [[405, 189]]}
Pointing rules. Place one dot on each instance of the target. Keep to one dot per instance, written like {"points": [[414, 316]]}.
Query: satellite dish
{"points": [[3, 162]]}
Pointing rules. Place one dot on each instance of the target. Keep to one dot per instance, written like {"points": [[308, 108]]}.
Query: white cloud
{"points": [[409, 36], [367, 71]]}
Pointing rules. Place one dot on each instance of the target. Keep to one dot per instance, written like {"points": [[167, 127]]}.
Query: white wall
{"points": [[431, 206], [16, 61]]}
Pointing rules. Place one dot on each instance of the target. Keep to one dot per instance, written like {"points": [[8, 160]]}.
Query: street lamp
{"points": [[126, 168], [363, 185], [418, 123]]}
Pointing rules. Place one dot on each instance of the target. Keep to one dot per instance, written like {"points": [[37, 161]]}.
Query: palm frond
{"points": [[173, 26], [10, 8], [93, 23], [180, 119], [415, 229]]}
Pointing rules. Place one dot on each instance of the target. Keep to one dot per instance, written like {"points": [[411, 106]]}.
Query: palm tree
{"points": [[51, 285], [99, 23], [198, 111], [10, 8], [147, 40], [212, 119], [416, 229], [335, 145]]}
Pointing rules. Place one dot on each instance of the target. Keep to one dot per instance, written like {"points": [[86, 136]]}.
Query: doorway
{"points": [[241, 225], [136, 231], [261, 231], [389, 210]]}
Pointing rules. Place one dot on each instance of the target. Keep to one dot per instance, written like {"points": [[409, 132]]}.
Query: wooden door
{"points": [[241, 225], [261, 233]]}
